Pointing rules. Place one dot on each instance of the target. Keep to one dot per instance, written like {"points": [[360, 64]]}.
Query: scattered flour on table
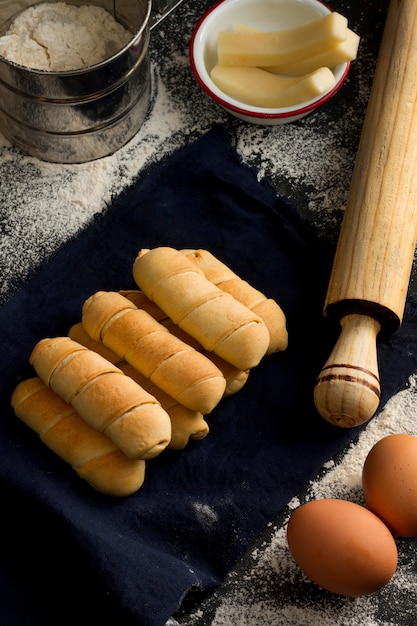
{"points": [[272, 591], [326, 148], [205, 515], [60, 36], [47, 204]]}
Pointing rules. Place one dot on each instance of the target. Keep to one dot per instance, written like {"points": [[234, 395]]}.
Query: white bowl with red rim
{"points": [[263, 15]]}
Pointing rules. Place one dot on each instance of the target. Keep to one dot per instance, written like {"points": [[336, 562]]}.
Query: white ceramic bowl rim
{"points": [[252, 111]]}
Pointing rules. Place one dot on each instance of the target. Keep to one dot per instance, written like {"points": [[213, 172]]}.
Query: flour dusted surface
{"points": [[269, 589], [60, 37], [43, 204]]}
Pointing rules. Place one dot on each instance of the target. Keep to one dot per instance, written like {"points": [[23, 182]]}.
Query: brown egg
{"points": [[342, 546], [389, 481]]}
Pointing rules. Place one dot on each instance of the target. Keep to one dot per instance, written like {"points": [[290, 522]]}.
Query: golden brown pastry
{"points": [[174, 366], [104, 396], [185, 423], [91, 454], [235, 378], [218, 321], [268, 309]]}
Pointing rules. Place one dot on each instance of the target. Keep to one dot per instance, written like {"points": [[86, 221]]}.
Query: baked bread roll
{"points": [[90, 453], [268, 309], [78, 333], [213, 317], [175, 367], [185, 423], [235, 378], [104, 396]]}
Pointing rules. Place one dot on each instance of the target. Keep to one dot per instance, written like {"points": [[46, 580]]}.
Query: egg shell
{"points": [[389, 481], [342, 546]]}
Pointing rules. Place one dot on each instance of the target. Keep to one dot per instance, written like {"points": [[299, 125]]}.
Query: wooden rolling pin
{"points": [[372, 266]]}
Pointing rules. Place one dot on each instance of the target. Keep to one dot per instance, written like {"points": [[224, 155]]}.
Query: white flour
{"points": [[61, 37]]}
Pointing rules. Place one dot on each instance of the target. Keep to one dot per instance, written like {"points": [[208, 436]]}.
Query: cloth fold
{"points": [[136, 558]]}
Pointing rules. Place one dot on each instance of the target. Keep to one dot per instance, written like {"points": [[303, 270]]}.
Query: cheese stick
{"points": [[257, 49], [220, 323], [185, 423], [235, 378], [174, 366], [342, 52], [259, 88], [104, 396], [268, 309], [90, 453]]}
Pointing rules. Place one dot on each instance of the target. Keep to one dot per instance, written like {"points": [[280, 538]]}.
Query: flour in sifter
{"points": [[60, 36]]}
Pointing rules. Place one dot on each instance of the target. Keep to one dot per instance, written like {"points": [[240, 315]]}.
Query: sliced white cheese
{"points": [[340, 53], [244, 28], [254, 86], [257, 49]]}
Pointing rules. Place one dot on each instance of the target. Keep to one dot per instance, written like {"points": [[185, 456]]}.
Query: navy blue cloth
{"points": [[134, 559]]}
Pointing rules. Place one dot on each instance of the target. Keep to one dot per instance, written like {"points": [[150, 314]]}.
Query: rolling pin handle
{"points": [[347, 391]]}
